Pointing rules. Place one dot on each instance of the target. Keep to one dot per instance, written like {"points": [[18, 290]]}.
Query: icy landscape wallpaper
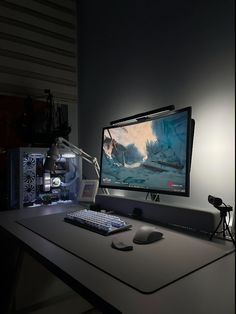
{"points": [[149, 155]]}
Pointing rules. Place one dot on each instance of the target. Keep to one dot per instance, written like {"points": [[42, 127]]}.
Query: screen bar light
{"points": [[143, 114]]}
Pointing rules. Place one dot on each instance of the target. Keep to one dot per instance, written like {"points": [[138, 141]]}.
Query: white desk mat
{"points": [[147, 268]]}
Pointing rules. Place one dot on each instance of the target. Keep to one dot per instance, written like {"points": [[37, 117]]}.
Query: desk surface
{"points": [[210, 289]]}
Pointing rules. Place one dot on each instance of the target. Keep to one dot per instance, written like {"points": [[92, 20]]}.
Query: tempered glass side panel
{"points": [[30, 185]]}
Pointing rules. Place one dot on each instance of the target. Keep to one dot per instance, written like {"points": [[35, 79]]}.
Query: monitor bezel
{"points": [[190, 125]]}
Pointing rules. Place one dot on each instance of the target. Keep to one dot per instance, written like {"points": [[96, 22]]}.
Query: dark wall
{"points": [[138, 55]]}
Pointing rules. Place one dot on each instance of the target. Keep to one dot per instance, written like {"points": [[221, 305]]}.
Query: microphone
{"points": [[49, 167], [52, 156]]}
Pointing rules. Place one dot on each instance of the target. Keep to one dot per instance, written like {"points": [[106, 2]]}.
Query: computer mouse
{"points": [[120, 245], [147, 234]]}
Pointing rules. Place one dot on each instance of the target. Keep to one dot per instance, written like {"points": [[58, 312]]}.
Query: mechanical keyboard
{"points": [[97, 221]]}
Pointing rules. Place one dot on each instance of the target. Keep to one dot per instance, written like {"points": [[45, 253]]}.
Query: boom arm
{"points": [[78, 151]]}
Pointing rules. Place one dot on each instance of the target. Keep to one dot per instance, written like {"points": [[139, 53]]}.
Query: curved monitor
{"points": [[152, 154]]}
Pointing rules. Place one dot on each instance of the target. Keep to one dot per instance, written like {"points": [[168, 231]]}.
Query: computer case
{"points": [[30, 185]]}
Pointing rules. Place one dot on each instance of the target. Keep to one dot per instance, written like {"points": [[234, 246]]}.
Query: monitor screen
{"points": [[151, 154]]}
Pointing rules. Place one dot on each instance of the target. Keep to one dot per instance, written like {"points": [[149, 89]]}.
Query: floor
{"points": [[71, 305], [39, 292]]}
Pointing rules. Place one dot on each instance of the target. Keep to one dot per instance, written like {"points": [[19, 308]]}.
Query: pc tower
{"points": [[30, 185]]}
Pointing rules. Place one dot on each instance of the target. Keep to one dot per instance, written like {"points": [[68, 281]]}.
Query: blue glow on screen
{"points": [[151, 155]]}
